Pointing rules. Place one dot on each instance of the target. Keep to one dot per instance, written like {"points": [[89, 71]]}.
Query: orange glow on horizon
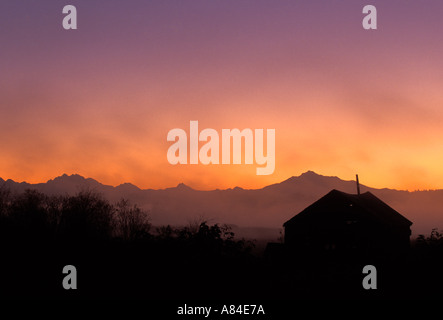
{"points": [[99, 102]]}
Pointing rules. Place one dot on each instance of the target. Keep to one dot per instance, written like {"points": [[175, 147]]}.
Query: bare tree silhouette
{"points": [[130, 222]]}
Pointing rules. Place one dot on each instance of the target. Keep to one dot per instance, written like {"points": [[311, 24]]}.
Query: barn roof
{"points": [[365, 204]]}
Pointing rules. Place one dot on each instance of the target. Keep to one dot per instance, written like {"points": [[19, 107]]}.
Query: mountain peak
{"points": [[128, 187], [309, 174], [72, 177], [182, 186], [313, 176]]}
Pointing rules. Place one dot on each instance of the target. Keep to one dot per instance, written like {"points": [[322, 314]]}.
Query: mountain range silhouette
{"points": [[264, 208]]}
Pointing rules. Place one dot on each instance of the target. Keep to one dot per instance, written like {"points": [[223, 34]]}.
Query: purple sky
{"points": [[100, 100]]}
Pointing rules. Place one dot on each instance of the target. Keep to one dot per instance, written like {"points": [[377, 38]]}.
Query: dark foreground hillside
{"points": [[117, 254]]}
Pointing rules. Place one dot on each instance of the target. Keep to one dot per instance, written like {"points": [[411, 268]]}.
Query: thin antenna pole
{"points": [[358, 184]]}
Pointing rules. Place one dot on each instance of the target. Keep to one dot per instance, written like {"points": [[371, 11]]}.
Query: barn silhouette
{"points": [[342, 222]]}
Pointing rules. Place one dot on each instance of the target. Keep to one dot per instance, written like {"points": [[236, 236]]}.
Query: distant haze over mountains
{"points": [[268, 207]]}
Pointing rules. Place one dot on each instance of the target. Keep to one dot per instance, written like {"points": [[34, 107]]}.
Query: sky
{"points": [[100, 100]]}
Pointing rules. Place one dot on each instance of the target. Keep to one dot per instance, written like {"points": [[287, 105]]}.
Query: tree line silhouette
{"points": [[119, 254], [115, 247], [84, 217]]}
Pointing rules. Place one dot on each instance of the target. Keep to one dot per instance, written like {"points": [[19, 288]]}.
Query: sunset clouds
{"points": [[100, 100]]}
